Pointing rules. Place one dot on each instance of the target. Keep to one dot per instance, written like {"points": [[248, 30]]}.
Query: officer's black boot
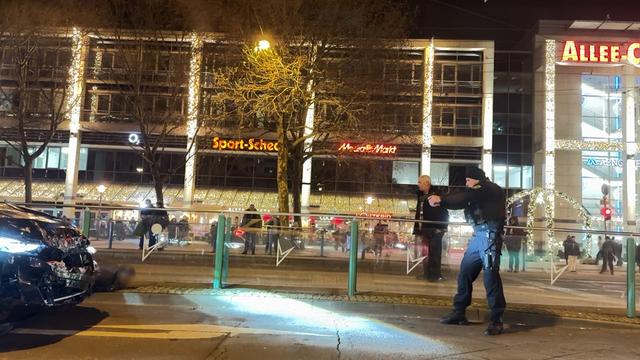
{"points": [[494, 328], [455, 318]]}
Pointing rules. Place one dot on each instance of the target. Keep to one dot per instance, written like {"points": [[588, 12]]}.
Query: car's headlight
{"points": [[15, 246]]}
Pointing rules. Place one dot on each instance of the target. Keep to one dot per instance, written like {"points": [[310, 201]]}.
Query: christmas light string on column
{"points": [[542, 196]]}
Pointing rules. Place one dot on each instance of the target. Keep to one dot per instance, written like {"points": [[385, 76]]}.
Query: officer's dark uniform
{"points": [[484, 207]]}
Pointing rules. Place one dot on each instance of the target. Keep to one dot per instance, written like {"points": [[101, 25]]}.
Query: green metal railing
{"points": [[220, 250], [631, 278], [353, 259]]}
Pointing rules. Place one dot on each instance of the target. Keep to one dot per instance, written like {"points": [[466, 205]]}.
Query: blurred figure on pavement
{"points": [[252, 223], [571, 251], [607, 254], [513, 242]]}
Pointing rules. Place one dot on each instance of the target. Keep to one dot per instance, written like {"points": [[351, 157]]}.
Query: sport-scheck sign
{"points": [[601, 53], [250, 144]]}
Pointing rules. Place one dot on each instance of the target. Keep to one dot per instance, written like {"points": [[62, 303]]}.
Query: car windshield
{"points": [[20, 229]]}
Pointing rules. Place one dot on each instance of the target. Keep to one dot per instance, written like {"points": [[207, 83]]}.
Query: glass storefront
{"points": [[602, 121]]}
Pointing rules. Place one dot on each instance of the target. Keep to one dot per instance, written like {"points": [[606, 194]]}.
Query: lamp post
{"points": [[369, 200], [101, 190]]}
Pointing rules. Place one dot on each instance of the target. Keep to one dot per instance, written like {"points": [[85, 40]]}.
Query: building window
{"points": [[405, 172], [515, 176], [500, 175], [527, 177], [53, 158], [440, 174], [457, 120]]}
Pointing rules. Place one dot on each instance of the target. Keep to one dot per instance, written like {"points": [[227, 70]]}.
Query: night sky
{"points": [[508, 21]]}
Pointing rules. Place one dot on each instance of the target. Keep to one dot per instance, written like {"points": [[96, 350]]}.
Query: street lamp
{"points": [[369, 200], [263, 45], [101, 190]]}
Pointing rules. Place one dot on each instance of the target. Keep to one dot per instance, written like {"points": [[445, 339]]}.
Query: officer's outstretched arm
{"points": [[457, 200]]}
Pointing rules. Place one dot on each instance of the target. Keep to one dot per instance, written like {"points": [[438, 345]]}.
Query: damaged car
{"points": [[45, 262]]}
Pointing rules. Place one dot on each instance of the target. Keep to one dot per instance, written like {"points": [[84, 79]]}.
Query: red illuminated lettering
{"points": [[244, 145], [373, 149], [601, 53]]}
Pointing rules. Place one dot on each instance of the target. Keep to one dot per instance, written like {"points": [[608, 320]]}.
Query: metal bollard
{"points": [[225, 257], [220, 240], [631, 278], [353, 259], [86, 222]]}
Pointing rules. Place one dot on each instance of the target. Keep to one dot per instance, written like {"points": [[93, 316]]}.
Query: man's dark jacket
{"points": [[251, 220], [424, 211]]}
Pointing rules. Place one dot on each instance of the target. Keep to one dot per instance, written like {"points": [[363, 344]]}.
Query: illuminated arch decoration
{"points": [[546, 197]]}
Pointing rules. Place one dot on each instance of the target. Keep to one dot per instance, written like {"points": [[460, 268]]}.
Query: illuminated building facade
{"points": [[438, 98], [586, 111]]}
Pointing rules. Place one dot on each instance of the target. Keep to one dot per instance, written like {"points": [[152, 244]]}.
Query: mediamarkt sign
{"points": [[368, 149], [250, 144], [602, 53]]}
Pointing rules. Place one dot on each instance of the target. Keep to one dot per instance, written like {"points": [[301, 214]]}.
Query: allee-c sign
{"points": [[601, 53]]}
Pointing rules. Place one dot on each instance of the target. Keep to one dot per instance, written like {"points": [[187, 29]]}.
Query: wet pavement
{"points": [[252, 324]]}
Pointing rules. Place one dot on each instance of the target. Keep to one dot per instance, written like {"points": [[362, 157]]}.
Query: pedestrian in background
{"points": [[252, 224], [364, 239], [565, 246], [172, 229], [617, 251], [599, 254], [213, 234], [513, 241], [429, 234], [273, 233], [144, 225], [607, 255], [379, 233], [339, 238], [571, 251], [183, 229]]}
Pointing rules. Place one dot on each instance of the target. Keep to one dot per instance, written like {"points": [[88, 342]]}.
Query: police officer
{"points": [[484, 206]]}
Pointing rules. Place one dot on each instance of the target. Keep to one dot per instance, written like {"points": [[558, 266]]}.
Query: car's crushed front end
{"points": [[44, 262]]}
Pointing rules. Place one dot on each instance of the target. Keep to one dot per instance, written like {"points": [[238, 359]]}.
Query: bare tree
{"points": [[142, 65], [34, 81], [310, 42]]}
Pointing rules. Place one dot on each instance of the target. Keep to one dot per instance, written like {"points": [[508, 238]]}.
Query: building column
{"points": [[629, 133], [549, 123], [305, 194], [488, 60], [427, 109], [192, 119], [79, 47]]}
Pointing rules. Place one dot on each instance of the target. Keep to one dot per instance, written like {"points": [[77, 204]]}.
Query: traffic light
{"points": [[606, 212]]}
